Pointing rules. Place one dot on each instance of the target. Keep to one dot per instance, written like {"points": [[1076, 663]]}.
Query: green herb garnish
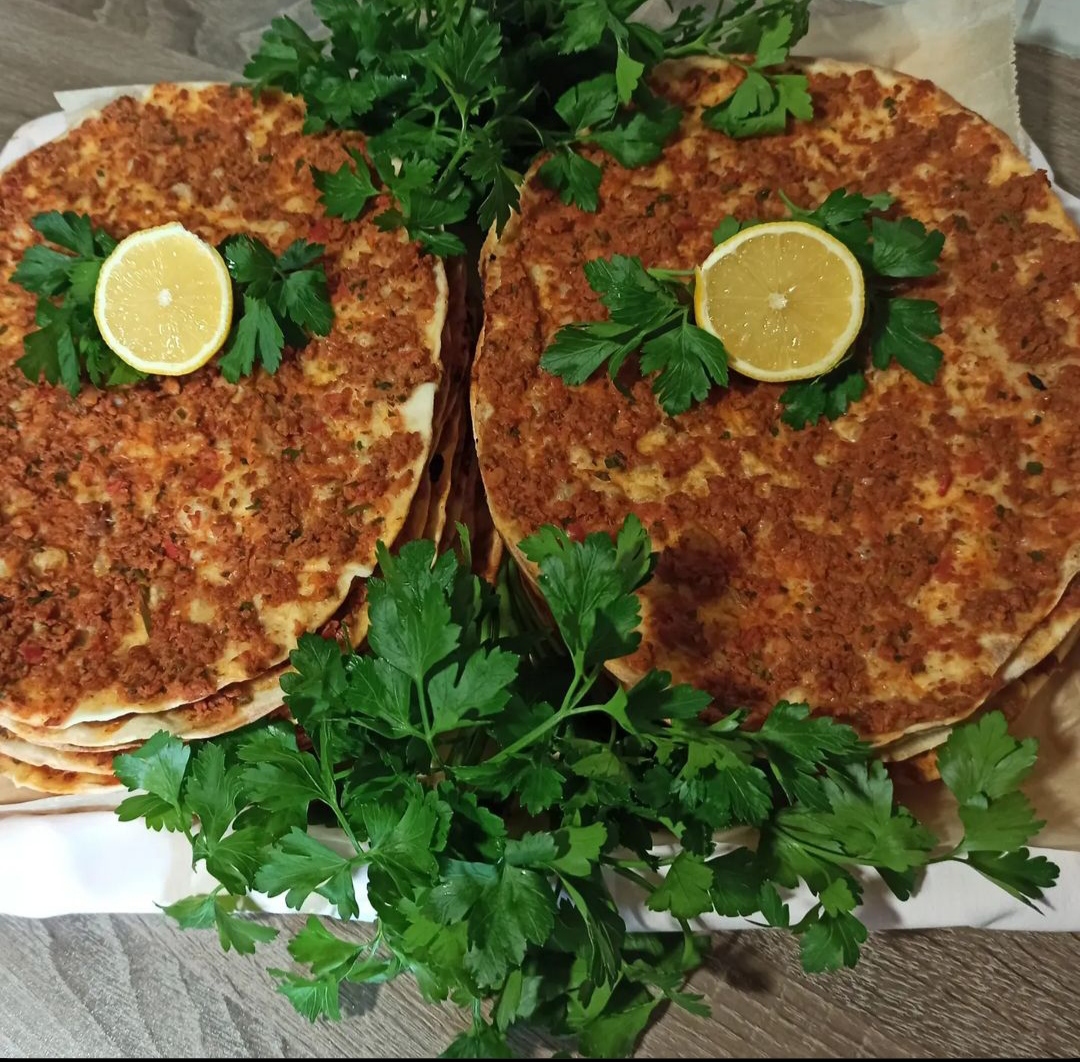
{"points": [[284, 300], [650, 311], [689, 360], [492, 789], [895, 328], [67, 347], [763, 102], [457, 99]]}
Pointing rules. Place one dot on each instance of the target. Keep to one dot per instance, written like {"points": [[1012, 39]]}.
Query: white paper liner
{"points": [[88, 862], [91, 863], [964, 46]]}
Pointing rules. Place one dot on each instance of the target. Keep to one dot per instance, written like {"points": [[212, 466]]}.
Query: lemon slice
{"points": [[163, 301], [785, 298]]}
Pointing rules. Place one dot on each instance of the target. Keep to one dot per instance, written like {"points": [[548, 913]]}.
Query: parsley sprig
{"points": [[492, 790], [284, 301], [67, 347], [649, 311], [457, 99], [896, 328], [764, 101]]}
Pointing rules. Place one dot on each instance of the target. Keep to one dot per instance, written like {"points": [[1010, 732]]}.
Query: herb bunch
{"points": [[649, 311], [493, 792], [285, 300], [895, 328], [67, 348], [458, 97]]}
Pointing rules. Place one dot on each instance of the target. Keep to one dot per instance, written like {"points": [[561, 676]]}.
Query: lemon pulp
{"points": [[785, 298], [163, 300]]}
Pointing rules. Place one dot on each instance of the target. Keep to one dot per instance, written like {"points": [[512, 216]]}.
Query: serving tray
{"points": [[66, 855]]}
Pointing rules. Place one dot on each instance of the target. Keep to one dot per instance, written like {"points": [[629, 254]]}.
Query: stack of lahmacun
{"points": [[163, 547], [898, 569]]}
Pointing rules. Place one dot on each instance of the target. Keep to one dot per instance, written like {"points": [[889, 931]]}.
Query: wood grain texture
{"points": [[1049, 87], [136, 987]]}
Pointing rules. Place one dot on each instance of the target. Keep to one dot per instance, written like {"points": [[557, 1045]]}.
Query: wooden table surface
{"points": [[136, 986]]}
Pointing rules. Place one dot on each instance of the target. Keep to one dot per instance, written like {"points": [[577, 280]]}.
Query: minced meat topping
{"points": [[882, 567], [161, 540]]}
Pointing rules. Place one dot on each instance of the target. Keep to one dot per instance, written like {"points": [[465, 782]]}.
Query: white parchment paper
{"points": [[66, 855]]}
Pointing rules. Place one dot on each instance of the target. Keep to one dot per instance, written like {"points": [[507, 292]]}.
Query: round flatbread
{"points": [[43, 779], [223, 711], [60, 757], [883, 567], [163, 541], [915, 757], [246, 702]]}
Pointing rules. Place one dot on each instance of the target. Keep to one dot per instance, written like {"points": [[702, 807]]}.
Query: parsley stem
{"points": [[581, 693], [330, 786], [701, 43], [376, 941], [954, 855], [670, 274], [575, 682], [612, 862], [689, 951], [634, 876], [571, 706], [450, 169], [537, 732], [346, 828], [425, 718], [579, 685], [458, 99]]}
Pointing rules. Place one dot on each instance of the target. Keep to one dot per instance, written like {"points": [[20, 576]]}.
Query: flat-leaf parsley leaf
{"points": [[67, 347], [650, 312], [284, 298]]}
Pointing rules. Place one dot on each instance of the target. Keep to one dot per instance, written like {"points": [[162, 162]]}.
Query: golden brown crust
{"points": [[60, 757], [51, 780], [162, 541], [883, 568]]}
